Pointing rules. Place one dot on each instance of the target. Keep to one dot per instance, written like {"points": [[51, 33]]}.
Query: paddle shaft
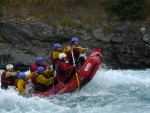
{"points": [[72, 56], [77, 76], [53, 83]]}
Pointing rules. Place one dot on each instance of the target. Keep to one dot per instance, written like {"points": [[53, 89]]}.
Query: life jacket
{"points": [[76, 52], [15, 83], [34, 81], [60, 74], [35, 66], [55, 61], [6, 80], [38, 86]]}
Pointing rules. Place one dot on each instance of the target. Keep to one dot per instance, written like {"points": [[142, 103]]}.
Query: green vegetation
{"points": [[75, 13], [125, 9], [57, 12], [147, 9]]}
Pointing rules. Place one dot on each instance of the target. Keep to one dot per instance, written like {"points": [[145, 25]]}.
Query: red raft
{"points": [[84, 75]]}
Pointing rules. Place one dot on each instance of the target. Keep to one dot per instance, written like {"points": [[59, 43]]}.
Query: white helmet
{"points": [[9, 67], [62, 55]]}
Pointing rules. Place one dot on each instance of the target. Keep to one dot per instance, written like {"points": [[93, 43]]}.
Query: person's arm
{"points": [[29, 76], [66, 68], [82, 50], [8, 74], [41, 79], [49, 72], [20, 85], [67, 49]]}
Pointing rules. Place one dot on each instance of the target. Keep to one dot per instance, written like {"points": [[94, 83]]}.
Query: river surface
{"points": [[110, 91]]}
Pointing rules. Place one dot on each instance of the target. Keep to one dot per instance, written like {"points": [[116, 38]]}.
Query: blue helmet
{"points": [[56, 46], [39, 59], [40, 69], [21, 75], [74, 39]]}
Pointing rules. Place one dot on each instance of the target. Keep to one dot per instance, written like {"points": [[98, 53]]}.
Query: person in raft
{"points": [[39, 62], [21, 82], [55, 54], [42, 80], [8, 77], [63, 70], [78, 52]]}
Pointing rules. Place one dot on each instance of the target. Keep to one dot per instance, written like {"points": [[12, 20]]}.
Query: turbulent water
{"points": [[111, 91]]}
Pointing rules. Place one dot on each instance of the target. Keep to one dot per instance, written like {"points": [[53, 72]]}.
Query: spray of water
{"points": [[110, 91]]}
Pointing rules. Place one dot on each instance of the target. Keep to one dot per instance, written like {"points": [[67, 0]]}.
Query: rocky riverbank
{"points": [[124, 48]]}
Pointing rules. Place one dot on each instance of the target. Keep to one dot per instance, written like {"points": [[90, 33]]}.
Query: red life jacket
{"points": [[6, 80], [60, 75], [35, 66], [62, 70], [76, 54]]}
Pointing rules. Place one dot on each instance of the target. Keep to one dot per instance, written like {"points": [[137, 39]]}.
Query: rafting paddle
{"points": [[77, 76], [53, 86]]}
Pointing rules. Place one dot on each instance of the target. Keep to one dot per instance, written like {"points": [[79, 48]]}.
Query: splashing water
{"points": [[110, 91]]}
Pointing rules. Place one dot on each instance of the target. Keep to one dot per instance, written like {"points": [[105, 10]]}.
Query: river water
{"points": [[110, 91]]}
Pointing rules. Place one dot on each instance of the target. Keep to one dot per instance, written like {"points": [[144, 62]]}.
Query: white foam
{"points": [[110, 91]]}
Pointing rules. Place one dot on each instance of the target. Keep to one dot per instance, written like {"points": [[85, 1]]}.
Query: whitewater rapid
{"points": [[110, 91]]}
